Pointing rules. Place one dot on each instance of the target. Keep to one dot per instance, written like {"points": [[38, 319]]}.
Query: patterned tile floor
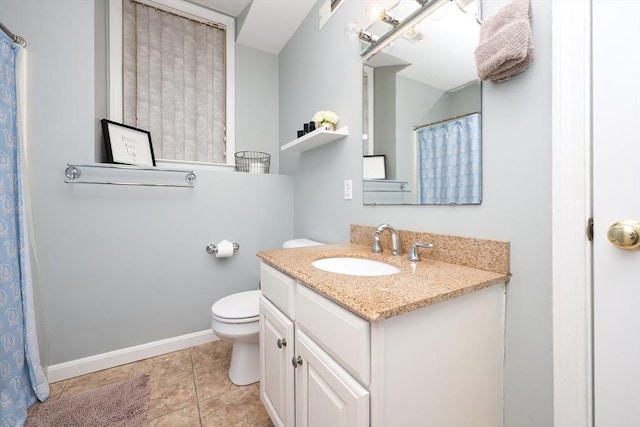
{"points": [[189, 387]]}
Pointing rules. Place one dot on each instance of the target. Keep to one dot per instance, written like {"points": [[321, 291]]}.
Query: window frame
{"points": [[180, 7]]}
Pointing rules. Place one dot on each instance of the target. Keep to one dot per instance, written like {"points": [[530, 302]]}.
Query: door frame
{"points": [[572, 207]]}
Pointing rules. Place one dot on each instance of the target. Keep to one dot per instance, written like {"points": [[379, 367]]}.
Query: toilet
{"points": [[235, 318]]}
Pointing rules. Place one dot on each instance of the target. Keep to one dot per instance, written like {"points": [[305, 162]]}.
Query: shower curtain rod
{"points": [[445, 120], [16, 39]]}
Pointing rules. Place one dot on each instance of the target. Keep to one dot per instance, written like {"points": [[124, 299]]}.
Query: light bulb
{"points": [[374, 11], [412, 35], [352, 31]]}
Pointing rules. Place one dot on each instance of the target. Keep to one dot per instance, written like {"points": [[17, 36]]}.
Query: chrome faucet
{"points": [[395, 240], [413, 254]]}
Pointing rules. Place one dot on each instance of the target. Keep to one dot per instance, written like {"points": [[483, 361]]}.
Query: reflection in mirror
{"points": [[421, 109]]}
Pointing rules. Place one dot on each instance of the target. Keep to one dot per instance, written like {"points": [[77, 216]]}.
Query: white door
{"points": [[277, 375], [326, 395], [616, 196]]}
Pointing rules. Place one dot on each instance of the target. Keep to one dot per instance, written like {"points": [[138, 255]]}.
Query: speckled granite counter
{"points": [[380, 297]]}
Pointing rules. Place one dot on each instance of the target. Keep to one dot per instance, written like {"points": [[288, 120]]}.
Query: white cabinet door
{"points": [[326, 395], [276, 373]]}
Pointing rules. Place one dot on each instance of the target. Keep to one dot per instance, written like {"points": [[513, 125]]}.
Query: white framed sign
{"points": [[374, 167], [127, 145]]}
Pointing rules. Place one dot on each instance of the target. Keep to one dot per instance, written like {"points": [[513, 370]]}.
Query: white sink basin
{"points": [[355, 266]]}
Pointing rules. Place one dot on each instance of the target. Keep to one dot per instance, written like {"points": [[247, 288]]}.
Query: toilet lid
{"points": [[242, 305]]}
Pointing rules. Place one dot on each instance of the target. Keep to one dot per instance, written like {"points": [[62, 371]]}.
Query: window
{"points": [[171, 73]]}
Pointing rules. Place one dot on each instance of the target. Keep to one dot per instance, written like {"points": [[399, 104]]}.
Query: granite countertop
{"points": [[376, 298]]}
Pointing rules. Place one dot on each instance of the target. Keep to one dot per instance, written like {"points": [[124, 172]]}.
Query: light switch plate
{"points": [[348, 189]]}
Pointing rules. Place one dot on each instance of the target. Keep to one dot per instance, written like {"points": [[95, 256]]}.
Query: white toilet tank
{"points": [[300, 243]]}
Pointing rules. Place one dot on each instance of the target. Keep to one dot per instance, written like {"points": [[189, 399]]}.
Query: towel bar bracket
{"points": [[72, 172]]}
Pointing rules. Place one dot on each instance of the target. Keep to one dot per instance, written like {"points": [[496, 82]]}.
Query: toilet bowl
{"points": [[235, 318]]}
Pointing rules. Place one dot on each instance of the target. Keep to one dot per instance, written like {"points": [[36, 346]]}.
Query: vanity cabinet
{"points": [[440, 365], [276, 373], [300, 382], [326, 395]]}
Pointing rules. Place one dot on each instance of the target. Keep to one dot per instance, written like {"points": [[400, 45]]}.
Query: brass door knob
{"points": [[625, 235]]}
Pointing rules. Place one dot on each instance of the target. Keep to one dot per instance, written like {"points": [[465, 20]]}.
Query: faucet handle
{"points": [[413, 251], [377, 247]]}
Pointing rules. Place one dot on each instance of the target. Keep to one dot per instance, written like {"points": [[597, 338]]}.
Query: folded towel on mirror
{"points": [[506, 42]]}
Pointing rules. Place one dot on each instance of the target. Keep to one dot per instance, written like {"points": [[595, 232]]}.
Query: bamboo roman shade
{"points": [[174, 83]]}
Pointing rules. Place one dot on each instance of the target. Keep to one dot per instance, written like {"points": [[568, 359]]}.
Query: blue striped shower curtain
{"points": [[449, 165], [22, 379]]}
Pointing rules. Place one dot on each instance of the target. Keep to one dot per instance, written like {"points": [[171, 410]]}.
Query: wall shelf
{"points": [[315, 139]]}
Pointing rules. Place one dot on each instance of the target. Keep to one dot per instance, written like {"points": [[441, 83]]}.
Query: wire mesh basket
{"points": [[252, 161]]}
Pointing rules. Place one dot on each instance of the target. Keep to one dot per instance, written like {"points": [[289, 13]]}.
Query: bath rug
{"points": [[123, 404]]}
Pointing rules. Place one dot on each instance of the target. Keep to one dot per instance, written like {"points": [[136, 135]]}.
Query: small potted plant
{"points": [[326, 119]]}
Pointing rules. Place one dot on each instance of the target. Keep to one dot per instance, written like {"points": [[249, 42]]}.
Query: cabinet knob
{"points": [[281, 342], [296, 361]]}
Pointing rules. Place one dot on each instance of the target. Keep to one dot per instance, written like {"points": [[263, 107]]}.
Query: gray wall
{"points": [[516, 173], [465, 100], [384, 115], [123, 266], [455, 103], [257, 102], [412, 103]]}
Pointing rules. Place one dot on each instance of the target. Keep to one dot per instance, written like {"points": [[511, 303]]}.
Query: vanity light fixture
{"points": [[354, 32], [389, 19], [403, 27], [376, 12]]}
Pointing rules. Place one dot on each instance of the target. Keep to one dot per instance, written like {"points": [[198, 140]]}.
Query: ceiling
{"points": [[264, 24]]}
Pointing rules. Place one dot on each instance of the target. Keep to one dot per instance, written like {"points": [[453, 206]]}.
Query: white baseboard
{"points": [[98, 362]]}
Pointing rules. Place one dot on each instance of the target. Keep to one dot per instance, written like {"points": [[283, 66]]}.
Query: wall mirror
{"points": [[422, 102]]}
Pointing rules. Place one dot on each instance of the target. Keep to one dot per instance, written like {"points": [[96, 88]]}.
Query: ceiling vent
{"points": [[327, 9]]}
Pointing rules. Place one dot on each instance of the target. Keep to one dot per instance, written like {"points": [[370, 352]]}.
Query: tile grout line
{"points": [[195, 386]]}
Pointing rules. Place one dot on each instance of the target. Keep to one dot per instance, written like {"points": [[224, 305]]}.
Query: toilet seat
{"points": [[241, 307]]}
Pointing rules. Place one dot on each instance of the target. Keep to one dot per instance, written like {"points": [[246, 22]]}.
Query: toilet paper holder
{"points": [[213, 249]]}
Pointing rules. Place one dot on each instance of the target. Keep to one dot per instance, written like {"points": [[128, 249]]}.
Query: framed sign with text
{"points": [[374, 167], [127, 145]]}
